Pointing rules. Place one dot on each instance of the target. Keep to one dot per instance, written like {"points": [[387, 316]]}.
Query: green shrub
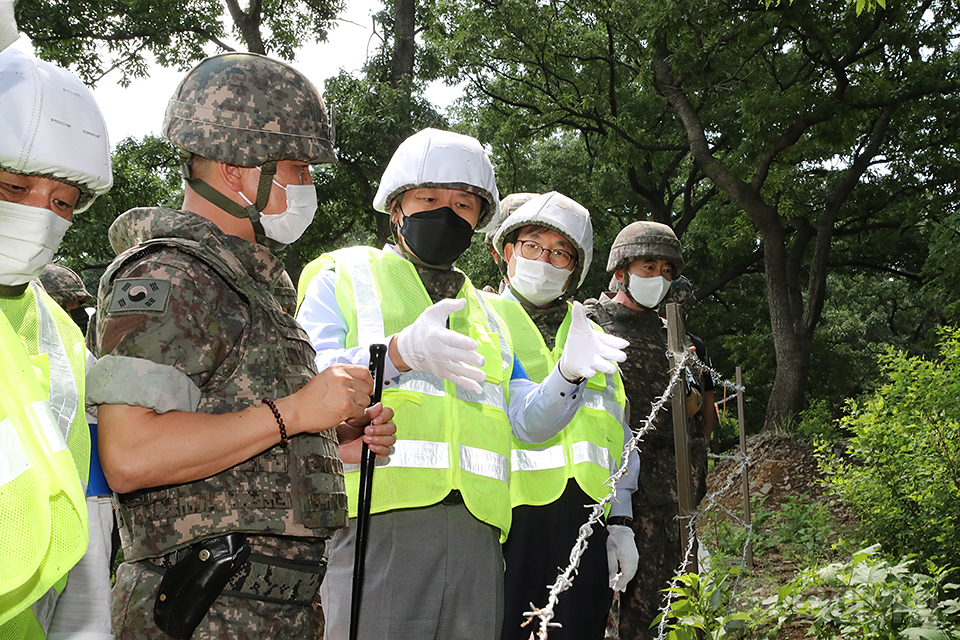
{"points": [[866, 598], [901, 473]]}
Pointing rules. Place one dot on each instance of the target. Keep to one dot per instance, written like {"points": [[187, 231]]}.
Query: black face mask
{"points": [[80, 318], [437, 237]]}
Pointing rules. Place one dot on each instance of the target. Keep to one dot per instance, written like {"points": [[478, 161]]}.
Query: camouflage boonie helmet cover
{"points": [[645, 241], [64, 285], [246, 110]]}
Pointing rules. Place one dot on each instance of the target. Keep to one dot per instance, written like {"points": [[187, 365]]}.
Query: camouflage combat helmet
{"points": [[64, 285], [645, 241], [248, 110], [507, 206]]}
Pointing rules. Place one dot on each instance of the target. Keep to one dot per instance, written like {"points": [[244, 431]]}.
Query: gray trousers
{"points": [[434, 572]]}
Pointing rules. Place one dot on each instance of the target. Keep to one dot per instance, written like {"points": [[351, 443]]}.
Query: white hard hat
{"points": [[442, 159], [554, 211], [51, 126], [8, 24]]}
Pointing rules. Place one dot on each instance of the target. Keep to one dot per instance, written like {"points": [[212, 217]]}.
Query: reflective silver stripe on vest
{"points": [[424, 382], [416, 454], [506, 356], [492, 395], [589, 452], [13, 458], [422, 454], [49, 429], [64, 395], [484, 463], [537, 459], [603, 401], [365, 300]]}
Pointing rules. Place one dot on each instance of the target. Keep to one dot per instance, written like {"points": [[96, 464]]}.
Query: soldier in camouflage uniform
{"points": [[216, 432], [66, 287], [644, 259], [545, 248]]}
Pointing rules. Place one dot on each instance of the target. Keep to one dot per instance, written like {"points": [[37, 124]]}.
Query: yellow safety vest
{"points": [[44, 459], [448, 438], [589, 448]]}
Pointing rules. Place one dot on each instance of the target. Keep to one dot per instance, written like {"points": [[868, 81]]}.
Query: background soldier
{"points": [[67, 289], [546, 248], [644, 258], [214, 425]]}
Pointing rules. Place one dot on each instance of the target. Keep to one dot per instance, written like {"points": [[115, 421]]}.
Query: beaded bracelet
{"points": [[276, 414]]}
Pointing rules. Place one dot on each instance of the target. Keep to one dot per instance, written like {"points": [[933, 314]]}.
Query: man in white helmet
{"points": [[545, 247], [54, 161], [441, 503]]}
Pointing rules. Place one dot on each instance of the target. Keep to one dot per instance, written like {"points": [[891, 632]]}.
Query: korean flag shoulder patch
{"points": [[139, 295]]}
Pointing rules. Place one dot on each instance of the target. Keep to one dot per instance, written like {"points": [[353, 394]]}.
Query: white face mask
{"points": [[539, 282], [288, 226], [648, 292], [29, 236]]}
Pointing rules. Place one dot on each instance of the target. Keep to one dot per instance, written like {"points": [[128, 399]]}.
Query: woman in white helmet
{"points": [[545, 247], [54, 161], [441, 503]]}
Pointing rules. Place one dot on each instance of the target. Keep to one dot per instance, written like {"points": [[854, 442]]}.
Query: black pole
{"points": [[377, 354]]}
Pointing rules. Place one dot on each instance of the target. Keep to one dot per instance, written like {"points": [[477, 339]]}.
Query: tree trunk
{"points": [[401, 72], [405, 19], [248, 23]]}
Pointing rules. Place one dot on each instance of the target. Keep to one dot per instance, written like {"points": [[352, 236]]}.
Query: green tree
{"points": [[94, 38], [786, 133], [146, 173]]}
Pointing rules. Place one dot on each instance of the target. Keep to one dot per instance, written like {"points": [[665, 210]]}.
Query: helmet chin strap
{"points": [[620, 286], [251, 211]]}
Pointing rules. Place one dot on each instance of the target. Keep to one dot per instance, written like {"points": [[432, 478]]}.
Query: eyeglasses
{"points": [[532, 251]]}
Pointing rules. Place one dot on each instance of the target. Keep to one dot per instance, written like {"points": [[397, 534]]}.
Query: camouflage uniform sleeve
{"points": [[165, 324]]}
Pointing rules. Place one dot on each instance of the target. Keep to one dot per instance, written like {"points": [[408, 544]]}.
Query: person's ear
{"points": [[231, 175], [396, 211], [619, 275]]}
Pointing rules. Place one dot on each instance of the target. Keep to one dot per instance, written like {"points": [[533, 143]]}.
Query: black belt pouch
{"points": [[191, 585]]}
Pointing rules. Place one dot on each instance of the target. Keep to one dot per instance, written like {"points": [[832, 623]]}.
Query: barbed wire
{"points": [[566, 577]]}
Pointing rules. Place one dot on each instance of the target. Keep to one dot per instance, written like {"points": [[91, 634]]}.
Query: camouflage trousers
{"points": [[657, 534], [229, 618]]}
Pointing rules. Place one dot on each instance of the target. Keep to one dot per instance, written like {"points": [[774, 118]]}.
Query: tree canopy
{"points": [[787, 133], [94, 38]]}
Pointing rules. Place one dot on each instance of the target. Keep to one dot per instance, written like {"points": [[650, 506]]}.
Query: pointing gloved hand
{"points": [[587, 350], [427, 345], [622, 556]]}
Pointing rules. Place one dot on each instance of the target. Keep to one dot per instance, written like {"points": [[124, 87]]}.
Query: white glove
{"points": [[622, 556], [427, 345], [587, 350]]}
